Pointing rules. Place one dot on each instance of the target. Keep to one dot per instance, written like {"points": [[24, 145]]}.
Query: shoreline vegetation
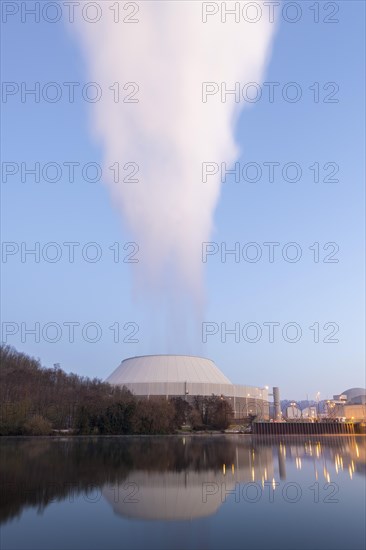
{"points": [[39, 401]]}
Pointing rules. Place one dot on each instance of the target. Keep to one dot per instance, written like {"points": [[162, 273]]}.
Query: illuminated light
{"points": [[224, 469], [233, 469]]}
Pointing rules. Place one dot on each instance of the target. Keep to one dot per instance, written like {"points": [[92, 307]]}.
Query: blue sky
{"points": [[304, 212]]}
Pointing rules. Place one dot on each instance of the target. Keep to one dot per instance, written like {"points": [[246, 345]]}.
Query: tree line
{"points": [[40, 401]]}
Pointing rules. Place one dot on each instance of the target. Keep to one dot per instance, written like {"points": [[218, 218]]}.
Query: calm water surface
{"points": [[219, 492]]}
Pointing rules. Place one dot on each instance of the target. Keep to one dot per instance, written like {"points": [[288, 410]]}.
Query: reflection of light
{"points": [[253, 474], [316, 474], [263, 482], [298, 463], [357, 451], [184, 440], [309, 449], [273, 483], [328, 477], [233, 469], [224, 469], [350, 471], [337, 462], [265, 474], [353, 466], [317, 450]]}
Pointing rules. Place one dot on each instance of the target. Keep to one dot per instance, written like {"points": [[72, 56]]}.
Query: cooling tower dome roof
{"points": [[352, 393], [167, 368]]}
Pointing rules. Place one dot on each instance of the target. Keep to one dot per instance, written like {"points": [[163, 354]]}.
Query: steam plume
{"points": [[170, 131]]}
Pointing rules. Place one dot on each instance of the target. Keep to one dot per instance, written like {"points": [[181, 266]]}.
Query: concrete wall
{"points": [[242, 407], [355, 412], [196, 388]]}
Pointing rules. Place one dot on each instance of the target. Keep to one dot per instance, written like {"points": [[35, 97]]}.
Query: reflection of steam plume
{"points": [[170, 131]]}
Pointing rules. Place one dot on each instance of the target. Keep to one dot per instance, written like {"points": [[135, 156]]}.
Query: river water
{"points": [[175, 492]]}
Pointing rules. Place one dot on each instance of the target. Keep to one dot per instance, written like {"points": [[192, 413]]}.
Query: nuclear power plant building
{"points": [[187, 377]]}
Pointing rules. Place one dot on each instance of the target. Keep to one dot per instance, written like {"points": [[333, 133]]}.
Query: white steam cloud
{"points": [[169, 53]]}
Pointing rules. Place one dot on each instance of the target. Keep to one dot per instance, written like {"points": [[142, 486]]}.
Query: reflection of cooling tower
{"points": [[190, 493], [277, 404], [168, 496]]}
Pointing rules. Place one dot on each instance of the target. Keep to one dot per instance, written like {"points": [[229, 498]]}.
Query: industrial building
{"points": [[349, 405], [187, 377]]}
